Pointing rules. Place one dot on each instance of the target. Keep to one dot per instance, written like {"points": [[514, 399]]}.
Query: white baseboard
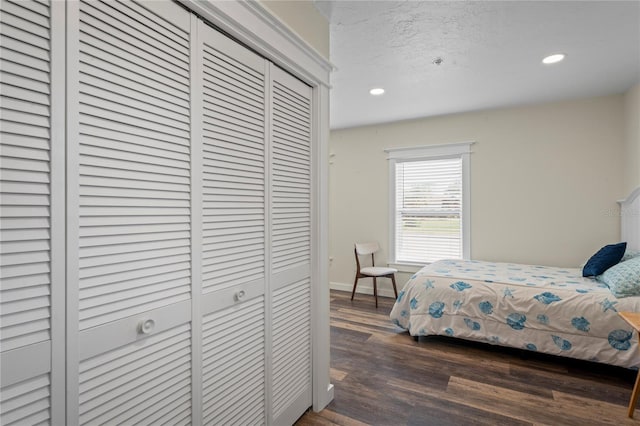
{"points": [[365, 286]]}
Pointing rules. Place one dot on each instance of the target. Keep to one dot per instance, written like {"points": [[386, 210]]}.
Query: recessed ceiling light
{"points": [[553, 59], [377, 91]]}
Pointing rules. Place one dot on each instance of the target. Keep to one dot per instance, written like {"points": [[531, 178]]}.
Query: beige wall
{"points": [[305, 20], [544, 181], [632, 138]]}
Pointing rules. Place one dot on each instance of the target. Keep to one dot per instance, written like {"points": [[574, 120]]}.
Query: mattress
{"points": [[537, 308]]}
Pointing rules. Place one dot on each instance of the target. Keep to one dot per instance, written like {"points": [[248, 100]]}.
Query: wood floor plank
{"points": [[524, 406], [338, 375], [368, 318], [314, 419], [342, 420], [329, 417], [601, 409], [382, 376], [608, 388], [364, 398], [434, 406], [363, 328]]}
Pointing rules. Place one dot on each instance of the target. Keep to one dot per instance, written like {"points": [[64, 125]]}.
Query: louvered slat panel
{"points": [[134, 162], [140, 383], [26, 402], [233, 164], [290, 246], [233, 364], [291, 331], [291, 177], [25, 151]]}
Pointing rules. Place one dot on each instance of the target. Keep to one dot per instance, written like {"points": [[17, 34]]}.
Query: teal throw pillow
{"points": [[630, 254], [623, 279]]}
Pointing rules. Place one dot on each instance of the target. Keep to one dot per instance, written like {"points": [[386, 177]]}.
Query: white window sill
{"points": [[410, 268]]}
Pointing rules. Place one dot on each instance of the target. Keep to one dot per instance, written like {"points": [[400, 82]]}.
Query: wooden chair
{"points": [[373, 271]]}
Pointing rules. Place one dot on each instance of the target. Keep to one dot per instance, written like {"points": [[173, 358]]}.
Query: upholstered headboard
{"points": [[630, 220]]}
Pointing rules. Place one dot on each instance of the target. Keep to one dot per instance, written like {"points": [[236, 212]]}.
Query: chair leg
{"points": [[355, 283], [375, 290], [393, 281]]}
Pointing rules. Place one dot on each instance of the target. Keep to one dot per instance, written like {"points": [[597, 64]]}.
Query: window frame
{"points": [[430, 152]]}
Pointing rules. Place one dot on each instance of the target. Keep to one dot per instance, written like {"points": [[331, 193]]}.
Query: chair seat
{"points": [[377, 271]]}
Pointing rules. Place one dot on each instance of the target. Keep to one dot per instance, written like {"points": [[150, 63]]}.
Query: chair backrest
{"points": [[367, 248], [363, 249]]}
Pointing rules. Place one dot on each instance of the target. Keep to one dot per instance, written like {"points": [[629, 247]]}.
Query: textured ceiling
{"points": [[491, 51]]}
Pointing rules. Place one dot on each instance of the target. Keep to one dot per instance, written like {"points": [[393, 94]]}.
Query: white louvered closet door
{"points": [[31, 213], [129, 165], [233, 237], [290, 246]]}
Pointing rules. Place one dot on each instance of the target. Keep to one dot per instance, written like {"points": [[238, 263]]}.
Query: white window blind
{"points": [[428, 210]]}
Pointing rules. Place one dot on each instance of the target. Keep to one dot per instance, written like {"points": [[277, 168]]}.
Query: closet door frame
{"points": [[253, 25]]}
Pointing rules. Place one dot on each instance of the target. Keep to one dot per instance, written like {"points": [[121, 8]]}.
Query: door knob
{"points": [[146, 326]]}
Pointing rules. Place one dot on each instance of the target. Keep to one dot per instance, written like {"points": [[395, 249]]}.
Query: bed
{"points": [[537, 308]]}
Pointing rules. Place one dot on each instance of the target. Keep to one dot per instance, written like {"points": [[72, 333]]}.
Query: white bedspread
{"points": [[539, 308]]}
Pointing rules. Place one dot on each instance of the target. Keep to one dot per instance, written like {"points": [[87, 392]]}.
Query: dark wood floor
{"points": [[383, 377]]}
